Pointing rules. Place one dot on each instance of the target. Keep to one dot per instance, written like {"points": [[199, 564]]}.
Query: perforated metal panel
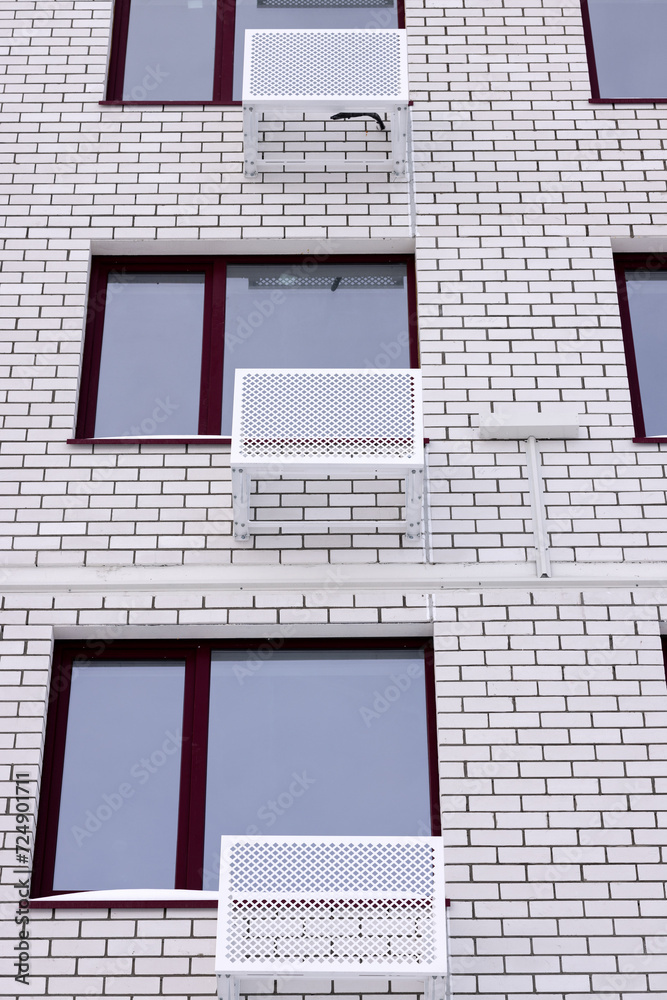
{"points": [[331, 905], [325, 3], [365, 281], [327, 416], [341, 66]]}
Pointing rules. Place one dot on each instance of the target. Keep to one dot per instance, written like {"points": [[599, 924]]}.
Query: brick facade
{"points": [[550, 692]]}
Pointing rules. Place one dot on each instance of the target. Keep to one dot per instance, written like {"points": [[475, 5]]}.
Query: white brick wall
{"points": [[551, 699]]}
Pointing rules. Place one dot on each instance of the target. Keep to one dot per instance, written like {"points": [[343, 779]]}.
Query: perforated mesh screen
{"points": [[323, 64], [335, 932], [272, 866], [288, 280], [325, 3], [329, 903], [321, 414]]}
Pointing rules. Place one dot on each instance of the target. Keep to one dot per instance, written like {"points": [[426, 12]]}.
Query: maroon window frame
{"points": [[215, 269], [593, 73], [635, 262], [223, 66], [192, 800]]}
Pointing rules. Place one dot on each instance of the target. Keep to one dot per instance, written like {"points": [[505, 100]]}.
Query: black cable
{"points": [[344, 115]]}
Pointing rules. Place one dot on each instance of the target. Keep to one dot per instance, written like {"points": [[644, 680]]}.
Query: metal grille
{"points": [[336, 905], [294, 414], [312, 932], [365, 281], [325, 3], [273, 866], [290, 63]]}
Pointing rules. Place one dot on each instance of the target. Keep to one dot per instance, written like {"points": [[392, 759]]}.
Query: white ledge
{"points": [[414, 577], [131, 896], [256, 246]]}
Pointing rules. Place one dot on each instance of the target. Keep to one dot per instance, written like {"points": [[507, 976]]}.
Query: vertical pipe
{"points": [[410, 168], [534, 468]]}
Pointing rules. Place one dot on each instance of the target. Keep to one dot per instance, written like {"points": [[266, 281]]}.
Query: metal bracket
{"points": [[244, 527], [435, 988], [399, 141], [228, 987], [250, 142], [254, 163], [241, 503], [414, 504]]}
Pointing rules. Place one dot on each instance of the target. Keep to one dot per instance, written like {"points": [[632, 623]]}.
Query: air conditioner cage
{"points": [[305, 417], [324, 71], [331, 907], [340, 422]]}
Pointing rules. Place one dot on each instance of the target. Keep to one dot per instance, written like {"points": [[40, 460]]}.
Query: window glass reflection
{"points": [[150, 369], [119, 801], [316, 743], [170, 50], [628, 40], [647, 302]]}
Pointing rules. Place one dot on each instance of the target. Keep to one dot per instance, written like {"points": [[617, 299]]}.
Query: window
{"points": [[642, 293], [625, 44], [164, 339], [153, 752], [192, 50]]}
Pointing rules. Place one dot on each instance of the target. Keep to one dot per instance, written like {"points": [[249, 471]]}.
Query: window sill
{"points": [[627, 100], [106, 898], [649, 440], [170, 104], [200, 439]]}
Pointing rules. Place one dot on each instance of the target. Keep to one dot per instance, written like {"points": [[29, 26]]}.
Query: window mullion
{"points": [[121, 23], [190, 852], [210, 404], [224, 51]]}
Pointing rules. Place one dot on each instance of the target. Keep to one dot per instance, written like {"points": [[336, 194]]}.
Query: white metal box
{"points": [[324, 70], [344, 422], [334, 69], [325, 907]]}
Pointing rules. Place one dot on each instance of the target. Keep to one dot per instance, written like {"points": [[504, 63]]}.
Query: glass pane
{"points": [[314, 316], [170, 50], [628, 39], [119, 801], [316, 743], [306, 14], [150, 371], [647, 300]]}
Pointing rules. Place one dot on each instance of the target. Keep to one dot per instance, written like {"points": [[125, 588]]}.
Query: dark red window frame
{"points": [[215, 269], [593, 73], [223, 71], [635, 262], [192, 800]]}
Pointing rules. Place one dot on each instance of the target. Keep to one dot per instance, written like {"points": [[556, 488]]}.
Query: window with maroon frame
{"points": [[155, 751], [191, 51], [164, 338], [625, 41], [642, 292]]}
